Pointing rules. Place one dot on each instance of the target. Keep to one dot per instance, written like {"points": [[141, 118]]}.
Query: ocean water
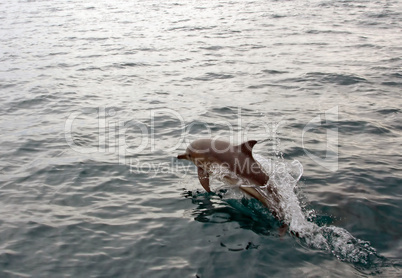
{"points": [[97, 98]]}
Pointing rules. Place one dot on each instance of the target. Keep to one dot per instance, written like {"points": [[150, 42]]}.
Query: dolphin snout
{"points": [[182, 156]]}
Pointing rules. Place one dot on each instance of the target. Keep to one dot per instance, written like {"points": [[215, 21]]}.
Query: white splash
{"points": [[284, 177]]}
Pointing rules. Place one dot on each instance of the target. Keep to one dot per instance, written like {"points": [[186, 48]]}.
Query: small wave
{"points": [[212, 76], [38, 101], [392, 84], [339, 79], [213, 47], [191, 28], [314, 31], [274, 71], [128, 65], [278, 16], [396, 74], [354, 127], [389, 111]]}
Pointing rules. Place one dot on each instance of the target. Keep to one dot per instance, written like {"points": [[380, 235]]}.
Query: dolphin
{"points": [[235, 165]]}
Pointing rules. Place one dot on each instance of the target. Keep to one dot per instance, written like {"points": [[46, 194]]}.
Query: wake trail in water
{"points": [[284, 176]]}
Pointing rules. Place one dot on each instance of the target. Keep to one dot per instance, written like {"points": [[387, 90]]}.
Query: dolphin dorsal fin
{"points": [[247, 147]]}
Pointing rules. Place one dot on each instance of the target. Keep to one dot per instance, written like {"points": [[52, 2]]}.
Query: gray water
{"points": [[98, 98]]}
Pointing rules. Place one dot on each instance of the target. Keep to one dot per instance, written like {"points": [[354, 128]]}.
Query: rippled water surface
{"points": [[98, 98]]}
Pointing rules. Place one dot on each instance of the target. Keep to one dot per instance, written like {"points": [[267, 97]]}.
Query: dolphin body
{"points": [[238, 166]]}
